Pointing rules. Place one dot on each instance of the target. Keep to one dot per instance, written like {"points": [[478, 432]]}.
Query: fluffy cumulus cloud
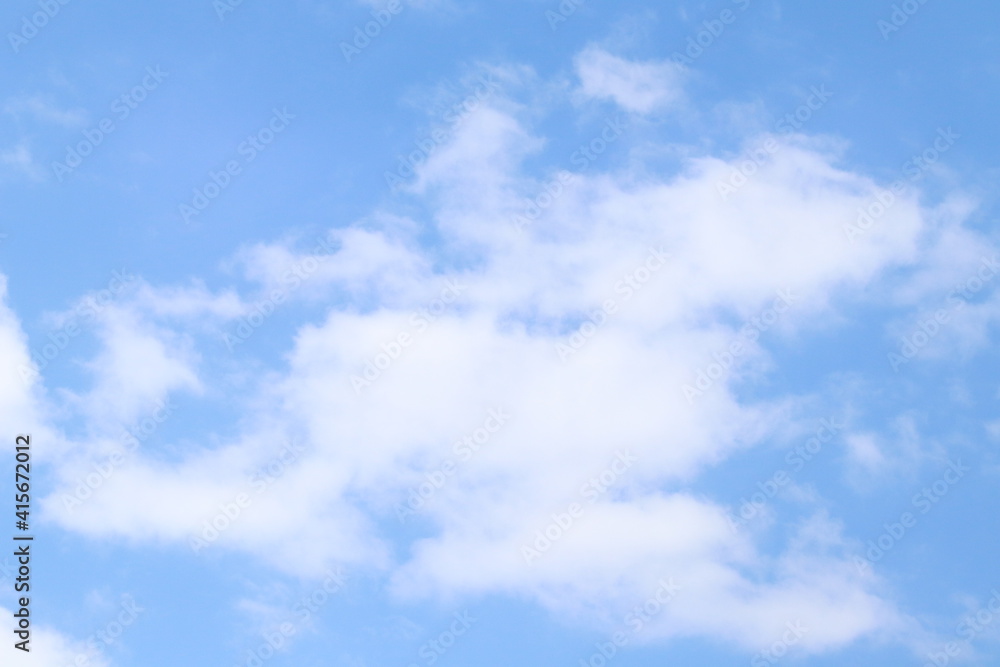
{"points": [[15, 397], [49, 648], [21, 398], [639, 87], [525, 396]]}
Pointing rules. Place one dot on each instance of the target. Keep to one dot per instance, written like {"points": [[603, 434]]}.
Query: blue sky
{"points": [[631, 333]]}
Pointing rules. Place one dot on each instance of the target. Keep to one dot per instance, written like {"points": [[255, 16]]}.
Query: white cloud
{"points": [[496, 347], [139, 365], [20, 159], [359, 261], [45, 111], [21, 407], [865, 451], [49, 648], [16, 399], [195, 301], [639, 87]]}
